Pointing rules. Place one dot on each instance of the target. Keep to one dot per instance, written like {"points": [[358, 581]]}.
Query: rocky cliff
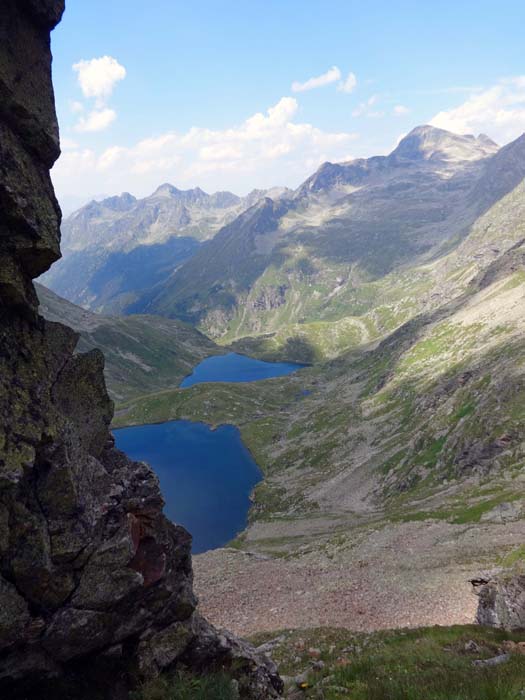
{"points": [[95, 583]]}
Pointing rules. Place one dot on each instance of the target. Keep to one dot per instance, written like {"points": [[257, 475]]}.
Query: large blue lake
{"points": [[206, 475]]}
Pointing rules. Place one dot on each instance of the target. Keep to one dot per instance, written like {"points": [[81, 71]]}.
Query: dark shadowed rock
{"points": [[29, 239]]}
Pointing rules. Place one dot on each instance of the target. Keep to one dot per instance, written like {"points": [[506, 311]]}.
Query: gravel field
{"points": [[402, 575]]}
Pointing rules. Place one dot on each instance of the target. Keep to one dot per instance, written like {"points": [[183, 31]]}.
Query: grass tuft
{"points": [[183, 686]]}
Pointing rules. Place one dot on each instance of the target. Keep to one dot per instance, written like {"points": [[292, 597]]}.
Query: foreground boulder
{"points": [[95, 583], [501, 600]]}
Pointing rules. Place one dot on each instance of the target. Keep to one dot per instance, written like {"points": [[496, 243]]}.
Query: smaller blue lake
{"points": [[237, 368], [206, 476]]}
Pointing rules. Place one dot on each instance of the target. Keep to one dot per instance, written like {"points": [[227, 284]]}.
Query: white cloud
{"points": [[98, 76], [498, 111], [401, 110], [97, 120], [67, 144], [450, 90], [366, 109], [74, 163], [109, 157], [76, 107], [97, 79], [331, 76], [266, 149], [348, 84]]}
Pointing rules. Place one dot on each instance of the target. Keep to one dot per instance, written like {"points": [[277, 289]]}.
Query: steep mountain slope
{"points": [[143, 354], [448, 383], [234, 255], [345, 243], [115, 249], [379, 306]]}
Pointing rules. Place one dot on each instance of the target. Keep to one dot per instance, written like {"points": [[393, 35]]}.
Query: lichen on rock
{"points": [[92, 575], [501, 600]]}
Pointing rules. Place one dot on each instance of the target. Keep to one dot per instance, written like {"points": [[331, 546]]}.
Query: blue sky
{"points": [[181, 91]]}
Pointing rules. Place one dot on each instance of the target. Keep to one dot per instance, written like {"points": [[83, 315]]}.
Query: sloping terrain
{"points": [[393, 474], [144, 354], [398, 480], [345, 250], [433, 663], [440, 399], [393, 466]]}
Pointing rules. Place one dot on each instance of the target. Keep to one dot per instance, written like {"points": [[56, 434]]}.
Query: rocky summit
{"points": [[95, 583]]}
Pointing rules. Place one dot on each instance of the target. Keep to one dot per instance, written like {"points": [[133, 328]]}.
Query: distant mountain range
{"points": [[116, 249], [337, 251], [348, 256]]}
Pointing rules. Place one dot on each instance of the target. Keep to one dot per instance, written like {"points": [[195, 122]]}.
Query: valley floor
{"points": [[368, 578]]}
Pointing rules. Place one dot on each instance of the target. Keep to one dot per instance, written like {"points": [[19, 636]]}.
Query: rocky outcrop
{"points": [[501, 600], [269, 298], [28, 147], [95, 583]]}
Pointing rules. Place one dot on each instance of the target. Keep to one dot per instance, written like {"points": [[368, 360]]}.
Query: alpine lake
{"points": [[206, 475]]}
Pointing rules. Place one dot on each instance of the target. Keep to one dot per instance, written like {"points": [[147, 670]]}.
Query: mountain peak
{"points": [[192, 195], [428, 142], [119, 202], [165, 190], [483, 138]]}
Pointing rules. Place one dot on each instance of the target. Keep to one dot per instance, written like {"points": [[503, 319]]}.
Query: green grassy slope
{"points": [[436, 663], [143, 353]]}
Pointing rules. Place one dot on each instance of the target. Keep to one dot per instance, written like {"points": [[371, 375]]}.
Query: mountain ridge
{"points": [[105, 238], [346, 226]]}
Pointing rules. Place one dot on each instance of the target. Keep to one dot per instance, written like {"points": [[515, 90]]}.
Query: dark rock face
{"points": [[29, 146], [501, 600], [270, 298], [92, 575]]}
